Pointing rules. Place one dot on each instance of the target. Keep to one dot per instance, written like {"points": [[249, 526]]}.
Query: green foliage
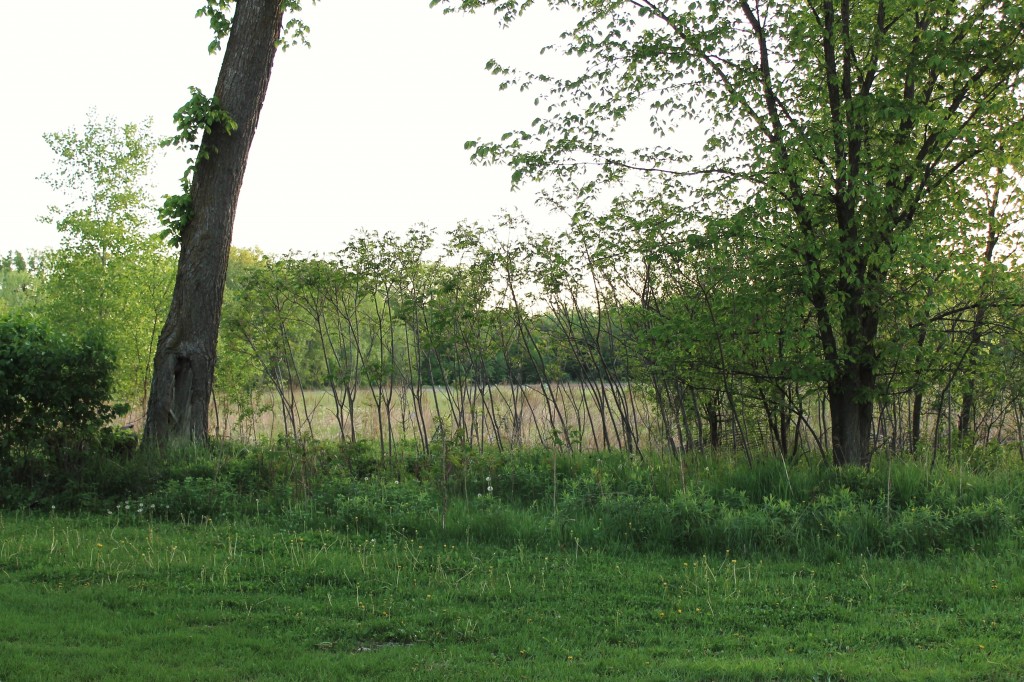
{"points": [[812, 513], [55, 391], [220, 23], [195, 120], [382, 509], [111, 276], [20, 278], [854, 170], [199, 116], [191, 499], [294, 31]]}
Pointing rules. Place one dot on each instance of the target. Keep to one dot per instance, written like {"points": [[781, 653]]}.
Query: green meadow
{"points": [[386, 581]]}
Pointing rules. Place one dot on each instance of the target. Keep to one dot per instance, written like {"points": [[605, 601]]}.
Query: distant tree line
{"points": [[638, 336], [763, 312]]}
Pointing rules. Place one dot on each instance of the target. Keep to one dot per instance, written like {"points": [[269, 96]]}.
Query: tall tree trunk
{"points": [[187, 348], [851, 408], [915, 419]]}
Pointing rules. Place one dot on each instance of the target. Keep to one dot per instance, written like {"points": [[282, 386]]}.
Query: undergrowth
{"points": [[609, 500]]}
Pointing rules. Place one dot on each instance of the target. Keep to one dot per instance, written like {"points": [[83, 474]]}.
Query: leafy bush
{"points": [[54, 389], [56, 448]]}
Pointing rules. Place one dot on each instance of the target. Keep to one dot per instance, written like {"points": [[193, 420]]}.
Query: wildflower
{"points": [[490, 488], [99, 545], [488, 479]]}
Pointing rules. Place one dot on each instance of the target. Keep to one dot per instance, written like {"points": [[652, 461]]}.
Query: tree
{"points": [[19, 280], [111, 275], [201, 220], [845, 140]]}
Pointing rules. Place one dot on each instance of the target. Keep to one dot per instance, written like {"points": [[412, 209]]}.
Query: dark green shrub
{"points": [[359, 458], [56, 448], [54, 390], [641, 522]]}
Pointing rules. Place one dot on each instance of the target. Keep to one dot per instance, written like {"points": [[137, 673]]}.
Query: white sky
{"points": [[364, 130]]}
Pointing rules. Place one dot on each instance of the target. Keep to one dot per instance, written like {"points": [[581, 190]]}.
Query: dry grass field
{"points": [[556, 415]]}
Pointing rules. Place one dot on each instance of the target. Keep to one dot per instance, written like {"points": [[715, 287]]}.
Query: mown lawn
{"points": [[87, 598]]}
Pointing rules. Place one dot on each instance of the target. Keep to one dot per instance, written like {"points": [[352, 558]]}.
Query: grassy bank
{"points": [[95, 597], [550, 501]]}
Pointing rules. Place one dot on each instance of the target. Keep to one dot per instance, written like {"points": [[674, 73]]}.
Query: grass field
{"points": [[515, 417], [108, 597]]}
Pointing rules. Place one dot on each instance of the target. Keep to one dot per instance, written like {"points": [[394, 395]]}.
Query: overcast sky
{"points": [[365, 130]]}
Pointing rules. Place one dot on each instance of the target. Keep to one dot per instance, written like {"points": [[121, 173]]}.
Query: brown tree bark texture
{"points": [[187, 348]]}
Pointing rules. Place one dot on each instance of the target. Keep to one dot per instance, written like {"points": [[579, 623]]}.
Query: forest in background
{"points": [[647, 335], [836, 273], [748, 413]]}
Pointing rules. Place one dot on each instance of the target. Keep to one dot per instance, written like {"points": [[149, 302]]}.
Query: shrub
{"points": [[56, 448], [54, 390]]}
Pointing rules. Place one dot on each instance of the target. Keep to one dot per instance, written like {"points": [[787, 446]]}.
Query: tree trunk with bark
{"points": [[851, 409], [187, 349]]}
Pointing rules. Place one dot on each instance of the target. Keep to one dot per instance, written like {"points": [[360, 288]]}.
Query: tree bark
{"points": [[187, 349], [915, 419], [851, 408]]}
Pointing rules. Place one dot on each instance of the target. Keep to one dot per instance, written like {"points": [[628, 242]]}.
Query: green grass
{"points": [[243, 563], [98, 597]]}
